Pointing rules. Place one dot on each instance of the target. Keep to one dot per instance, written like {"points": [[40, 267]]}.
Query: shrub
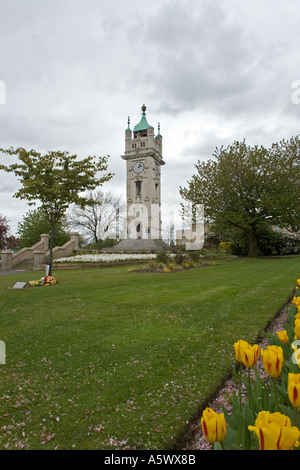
{"points": [[153, 265], [290, 243], [225, 247], [195, 256], [180, 255], [211, 242], [162, 257]]}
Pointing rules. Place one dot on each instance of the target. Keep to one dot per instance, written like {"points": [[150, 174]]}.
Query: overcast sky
{"points": [[210, 71]]}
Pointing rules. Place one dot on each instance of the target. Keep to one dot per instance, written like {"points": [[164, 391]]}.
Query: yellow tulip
{"points": [[283, 337], [251, 355], [294, 389], [213, 425], [275, 432], [273, 360], [238, 348], [246, 353], [297, 328], [296, 300], [298, 282]]}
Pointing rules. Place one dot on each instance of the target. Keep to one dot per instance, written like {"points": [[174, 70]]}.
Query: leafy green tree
{"points": [[287, 152], [35, 223], [245, 187], [56, 179]]}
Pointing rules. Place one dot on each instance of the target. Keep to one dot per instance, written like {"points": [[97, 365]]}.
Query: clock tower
{"points": [[143, 156]]}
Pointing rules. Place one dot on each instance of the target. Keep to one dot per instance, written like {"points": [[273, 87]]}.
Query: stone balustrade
{"points": [[38, 254]]}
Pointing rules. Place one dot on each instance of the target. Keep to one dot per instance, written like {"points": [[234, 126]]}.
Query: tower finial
{"points": [[158, 128], [128, 128], [144, 109]]}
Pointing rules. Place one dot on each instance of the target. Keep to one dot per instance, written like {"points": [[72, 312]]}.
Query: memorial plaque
{"points": [[20, 285], [2, 353]]}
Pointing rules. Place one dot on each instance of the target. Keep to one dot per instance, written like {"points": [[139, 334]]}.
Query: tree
{"points": [[104, 215], [7, 240], [288, 153], [34, 223], [246, 187], [57, 180]]}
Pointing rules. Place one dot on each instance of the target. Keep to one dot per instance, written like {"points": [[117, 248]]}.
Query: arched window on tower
{"points": [[138, 185]]}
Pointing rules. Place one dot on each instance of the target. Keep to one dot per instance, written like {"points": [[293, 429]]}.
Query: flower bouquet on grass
{"points": [[49, 281], [39, 282], [44, 281]]}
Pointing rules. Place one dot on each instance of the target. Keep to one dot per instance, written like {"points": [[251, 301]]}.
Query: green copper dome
{"points": [[143, 124]]}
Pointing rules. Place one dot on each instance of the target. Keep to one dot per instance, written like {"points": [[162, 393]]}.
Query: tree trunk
{"points": [[51, 248], [253, 246]]}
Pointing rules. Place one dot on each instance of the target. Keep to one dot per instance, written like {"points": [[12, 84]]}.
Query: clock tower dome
{"points": [[143, 156]]}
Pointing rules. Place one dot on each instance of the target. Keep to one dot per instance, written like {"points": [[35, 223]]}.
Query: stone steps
{"points": [[139, 246]]}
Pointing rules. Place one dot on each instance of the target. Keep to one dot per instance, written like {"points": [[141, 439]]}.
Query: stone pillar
{"points": [[38, 259], [45, 239], [75, 239], [6, 260]]}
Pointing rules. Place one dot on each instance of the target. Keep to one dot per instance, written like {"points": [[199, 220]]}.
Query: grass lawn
{"points": [[111, 359]]}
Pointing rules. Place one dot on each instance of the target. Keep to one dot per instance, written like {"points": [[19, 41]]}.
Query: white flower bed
{"points": [[104, 258]]}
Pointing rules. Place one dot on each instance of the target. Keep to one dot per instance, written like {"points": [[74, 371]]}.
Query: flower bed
{"points": [[166, 268], [268, 418], [104, 258]]}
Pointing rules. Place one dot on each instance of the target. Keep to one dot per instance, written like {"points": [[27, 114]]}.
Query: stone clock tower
{"points": [[143, 156]]}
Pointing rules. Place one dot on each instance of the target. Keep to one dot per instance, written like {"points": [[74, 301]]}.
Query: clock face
{"points": [[138, 167]]}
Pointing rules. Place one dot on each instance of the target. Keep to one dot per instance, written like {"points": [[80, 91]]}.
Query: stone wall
{"points": [[36, 256]]}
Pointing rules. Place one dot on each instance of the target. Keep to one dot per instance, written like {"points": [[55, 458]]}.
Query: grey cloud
{"points": [[199, 55]]}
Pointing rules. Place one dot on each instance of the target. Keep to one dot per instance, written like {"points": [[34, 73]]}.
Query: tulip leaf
{"points": [[253, 400], [291, 367], [217, 446], [258, 384], [235, 447], [282, 394], [290, 412], [243, 436], [235, 416], [233, 419], [230, 440], [248, 415], [266, 400]]}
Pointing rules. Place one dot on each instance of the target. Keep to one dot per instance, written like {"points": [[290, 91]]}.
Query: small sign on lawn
{"points": [[20, 285]]}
